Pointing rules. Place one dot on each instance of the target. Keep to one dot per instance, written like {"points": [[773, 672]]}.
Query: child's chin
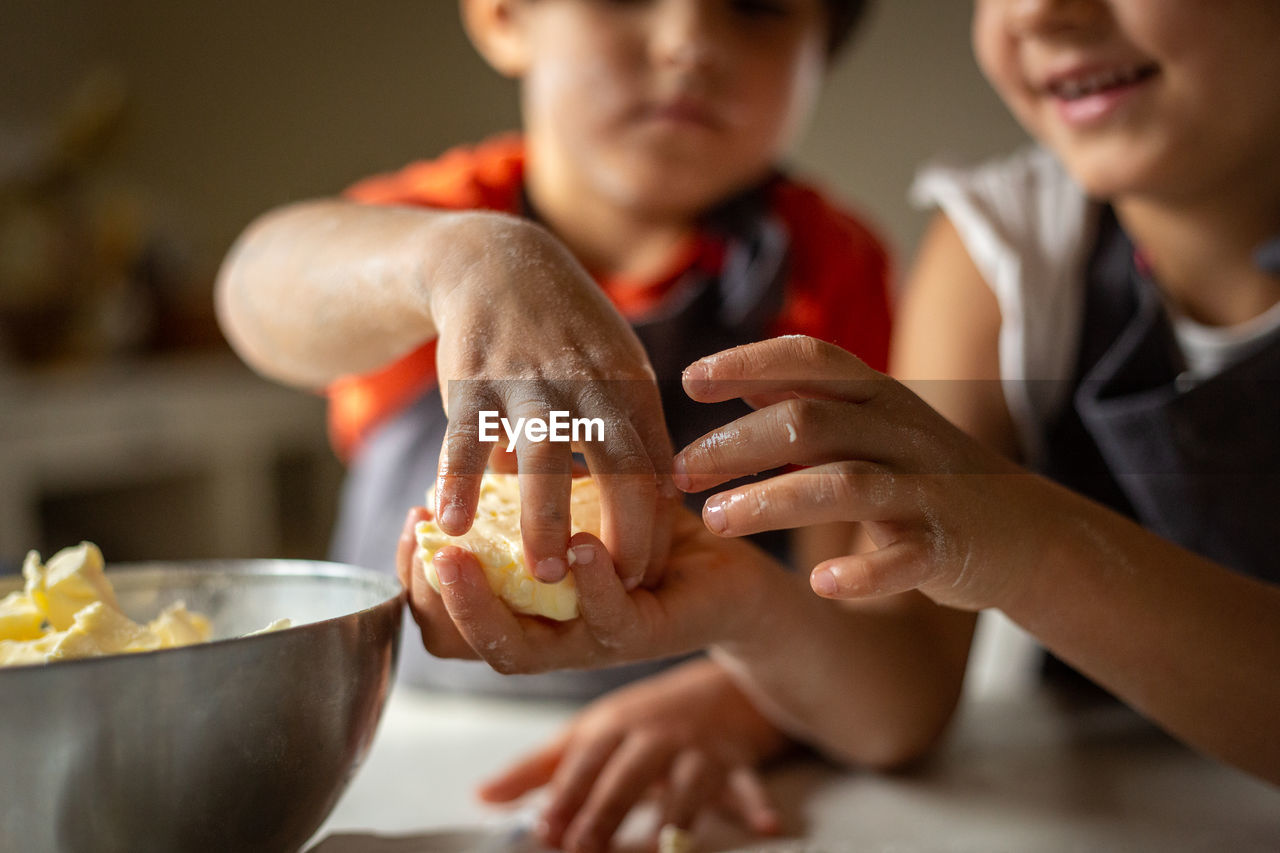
{"points": [[1109, 171]]}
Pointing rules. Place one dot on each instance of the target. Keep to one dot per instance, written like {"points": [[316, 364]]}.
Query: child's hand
{"points": [[947, 515], [689, 732], [525, 331], [712, 590]]}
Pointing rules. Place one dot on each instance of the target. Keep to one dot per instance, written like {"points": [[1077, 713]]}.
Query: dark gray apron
{"points": [[1199, 463], [700, 315]]}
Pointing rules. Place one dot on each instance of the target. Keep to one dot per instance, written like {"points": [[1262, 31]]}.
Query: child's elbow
{"points": [[904, 739], [901, 751]]}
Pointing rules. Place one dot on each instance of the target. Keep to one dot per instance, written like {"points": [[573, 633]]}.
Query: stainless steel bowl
{"points": [[241, 744]]}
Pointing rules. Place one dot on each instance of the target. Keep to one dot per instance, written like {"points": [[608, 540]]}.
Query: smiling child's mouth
{"points": [[1074, 88]]}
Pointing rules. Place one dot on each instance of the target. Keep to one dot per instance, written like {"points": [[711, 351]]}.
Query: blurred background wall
{"points": [[161, 129]]}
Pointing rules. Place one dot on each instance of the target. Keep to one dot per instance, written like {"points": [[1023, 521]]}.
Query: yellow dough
{"points": [[495, 540]]}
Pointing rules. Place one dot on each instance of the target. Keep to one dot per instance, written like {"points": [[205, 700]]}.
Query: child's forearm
{"points": [[319, 289], [871, 684], [1192, 645]]}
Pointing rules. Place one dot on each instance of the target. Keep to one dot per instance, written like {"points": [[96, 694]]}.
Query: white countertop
{"points": [[1028, 772]]}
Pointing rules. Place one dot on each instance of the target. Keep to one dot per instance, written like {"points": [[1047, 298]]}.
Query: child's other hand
{"points": [[713, 590], [689, 733], [947, 515], [525, 331]]}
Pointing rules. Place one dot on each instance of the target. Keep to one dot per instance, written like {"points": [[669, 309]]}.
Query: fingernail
{"points": [[631, 583], [715, 516], [823, 582], [446, 570], [550, 570], [454, 517], [582, 555], [695, 379], [680, 473]]}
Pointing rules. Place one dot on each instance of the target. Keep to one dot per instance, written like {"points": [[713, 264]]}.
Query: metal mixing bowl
{"points": [[241, 744]]}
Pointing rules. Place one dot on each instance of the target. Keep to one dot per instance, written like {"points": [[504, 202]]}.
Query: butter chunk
{"points": [[23, 652], [73, 579], [277, 625], [101, 630], [495, 540], [20, 618], [178, 626], [68, 610]]}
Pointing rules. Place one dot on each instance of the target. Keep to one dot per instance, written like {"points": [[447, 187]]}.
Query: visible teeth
{"points": [[1082, 86]]}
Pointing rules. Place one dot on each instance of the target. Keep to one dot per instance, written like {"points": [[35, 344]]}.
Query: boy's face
{"points": [[1158, 98], [667, 106]]}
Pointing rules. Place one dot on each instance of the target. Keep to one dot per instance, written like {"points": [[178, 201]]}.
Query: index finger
{"points": [[794, 364], [532, 771], [463, 457]]}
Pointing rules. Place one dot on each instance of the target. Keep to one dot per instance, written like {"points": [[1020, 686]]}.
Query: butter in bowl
{"points": [[166, 719]]}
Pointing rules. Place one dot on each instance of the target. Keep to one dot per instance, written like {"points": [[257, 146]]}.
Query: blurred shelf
{"points": [[189, 456]]}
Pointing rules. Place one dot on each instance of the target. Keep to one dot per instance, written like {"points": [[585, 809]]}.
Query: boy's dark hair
{"points": [[843, 18]]}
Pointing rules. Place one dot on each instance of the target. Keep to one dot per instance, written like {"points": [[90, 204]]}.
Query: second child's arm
{"points": [[318, 290], [1189, 643], [1183, 640]]}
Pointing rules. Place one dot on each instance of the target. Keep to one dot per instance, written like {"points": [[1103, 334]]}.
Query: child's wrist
{"points": [[454, 245], [766, 612], [1030, 578], [470, 254]]}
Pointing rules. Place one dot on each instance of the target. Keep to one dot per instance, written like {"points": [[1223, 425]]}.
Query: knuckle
{"points": [[811, 350], [546, 515], [754, 504], [651, 739], [843, 480], [711, 456], [599, 724], [630, 459], [463, 445], [802, 415], [542, 458], [463, 426], [640, 489], [736, 362]]}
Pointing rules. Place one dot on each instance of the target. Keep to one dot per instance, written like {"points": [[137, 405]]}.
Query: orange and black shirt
{"points": [[832, 283]]}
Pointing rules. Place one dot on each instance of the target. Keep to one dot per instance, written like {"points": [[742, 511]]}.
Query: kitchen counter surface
{"points": [[1030, 771]]}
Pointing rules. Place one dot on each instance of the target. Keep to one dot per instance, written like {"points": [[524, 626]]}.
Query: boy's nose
{"points": [[683, 33], [1051, 17]]}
